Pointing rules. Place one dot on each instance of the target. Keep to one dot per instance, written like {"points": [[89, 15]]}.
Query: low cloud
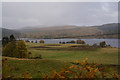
{"points": [[21, 14]]}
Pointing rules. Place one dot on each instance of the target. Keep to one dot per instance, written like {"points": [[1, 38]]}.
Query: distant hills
{"points": [[8, 32], [68, 31]]}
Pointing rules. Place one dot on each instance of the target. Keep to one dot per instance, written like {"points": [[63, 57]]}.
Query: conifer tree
{"points": [[5, 40], [12, 38]]}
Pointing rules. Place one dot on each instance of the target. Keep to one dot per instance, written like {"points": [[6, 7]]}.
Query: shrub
{"points": [[63, 42], [36, 41], [26, 75], [9, 49], [80, 69], [21, 49], [60, 42], [72, 41], [29, 54], [31, 41], [27, 41], [94, 45], [103, 44], [15, 49], [108, 45], [41, 41], [38, 57], [80, 42], [35, 57]]}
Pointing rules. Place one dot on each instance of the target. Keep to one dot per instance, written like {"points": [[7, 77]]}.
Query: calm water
{"points": [[112, 42]]}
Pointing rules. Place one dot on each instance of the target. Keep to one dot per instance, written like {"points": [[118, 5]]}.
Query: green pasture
{"points": [[57, 56], [63, 52]]}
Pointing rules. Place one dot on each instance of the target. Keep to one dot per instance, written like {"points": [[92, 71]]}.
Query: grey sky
{"points": [[22, 14]]}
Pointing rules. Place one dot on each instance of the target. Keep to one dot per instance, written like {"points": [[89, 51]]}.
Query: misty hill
{"points": [[109, 28], [42, 29], [69, 31], [8, 32]]}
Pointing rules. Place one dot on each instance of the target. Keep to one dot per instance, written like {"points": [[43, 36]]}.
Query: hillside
{"points": [[102, 31], [42, 29], [68, 31], [109, 28], [8, 32]]}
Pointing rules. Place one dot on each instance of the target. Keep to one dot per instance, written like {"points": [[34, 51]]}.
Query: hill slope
{"points": [[102, 31], [69, 31], [8, 32]]}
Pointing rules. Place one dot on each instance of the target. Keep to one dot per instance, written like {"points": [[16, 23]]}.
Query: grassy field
{"points": [[62, 52], [56, 56]]}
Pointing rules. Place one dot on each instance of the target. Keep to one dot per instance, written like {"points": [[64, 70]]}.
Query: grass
{"points": [[56, 57], [103, 55], [19, 67]]}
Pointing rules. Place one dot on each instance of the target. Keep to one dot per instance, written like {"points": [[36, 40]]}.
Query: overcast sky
{"points": [[24, 14]]}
